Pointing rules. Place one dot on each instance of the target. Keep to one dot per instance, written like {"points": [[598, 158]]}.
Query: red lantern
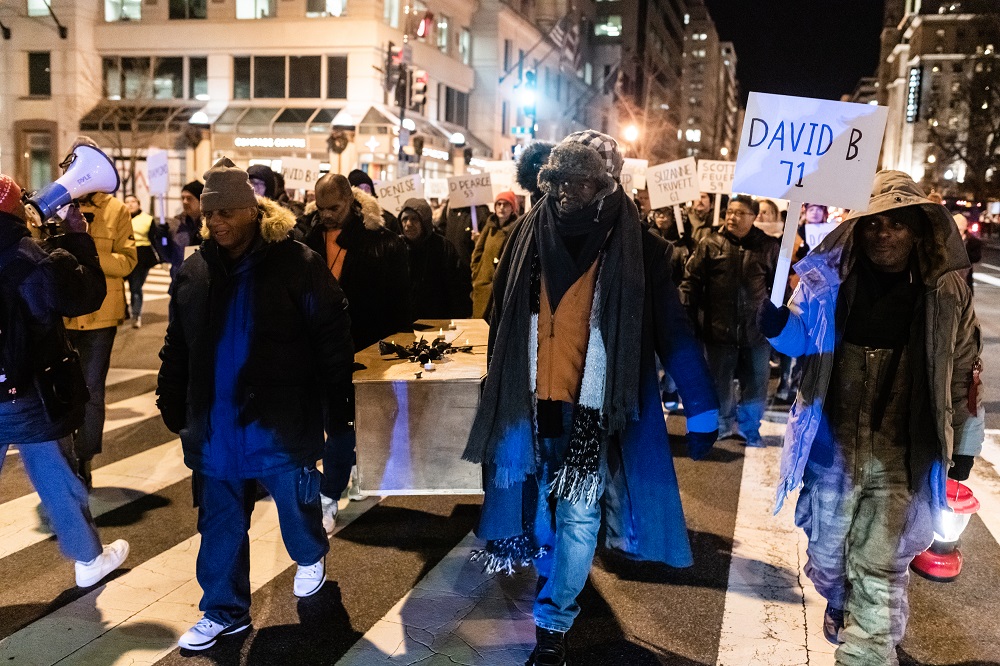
{"points": [[942, 562]]}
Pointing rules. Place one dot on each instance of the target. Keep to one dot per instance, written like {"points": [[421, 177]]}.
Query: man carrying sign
{"points": [[888, 402], [570, 428]]}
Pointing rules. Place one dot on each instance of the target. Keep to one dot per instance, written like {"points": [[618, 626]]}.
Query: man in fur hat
{"points": [[890, 399], [259, 344], [570, 420]]}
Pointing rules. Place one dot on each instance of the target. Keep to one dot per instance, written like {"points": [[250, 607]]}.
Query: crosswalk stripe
{"points": [[119, 375], [115, 485], [988, 279], [138, 617], [772, 616], [985, 483], [130, 411]]}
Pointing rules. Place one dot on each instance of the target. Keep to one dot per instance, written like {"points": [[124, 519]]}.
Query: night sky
{"points": [[812, 48]]}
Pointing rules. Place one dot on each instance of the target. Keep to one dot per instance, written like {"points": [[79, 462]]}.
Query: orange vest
{"points": [[563, 336]]}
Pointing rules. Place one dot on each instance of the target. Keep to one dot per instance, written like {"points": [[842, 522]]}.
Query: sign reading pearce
{"points": [[673, 183], [472, 190], [814, 150]]}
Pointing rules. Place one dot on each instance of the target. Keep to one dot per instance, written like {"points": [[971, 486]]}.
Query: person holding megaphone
{"points": [[42, 389], [93, 334]]}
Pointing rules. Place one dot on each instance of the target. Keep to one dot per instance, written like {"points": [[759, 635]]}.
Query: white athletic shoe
{"points": [[90, 573], [308, 580], [330, 508], [204, 634]]}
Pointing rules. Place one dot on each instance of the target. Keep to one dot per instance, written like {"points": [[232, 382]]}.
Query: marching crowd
{"points": [[600, 318]]}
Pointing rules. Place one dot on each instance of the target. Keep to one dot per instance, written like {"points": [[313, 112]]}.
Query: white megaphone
{"points": [[90, 171]]}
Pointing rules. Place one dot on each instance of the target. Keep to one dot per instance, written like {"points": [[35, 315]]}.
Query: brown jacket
{"points": [[563, 336]]}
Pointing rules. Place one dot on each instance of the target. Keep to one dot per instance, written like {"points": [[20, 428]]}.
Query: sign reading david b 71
{"points": [[809, 150]]}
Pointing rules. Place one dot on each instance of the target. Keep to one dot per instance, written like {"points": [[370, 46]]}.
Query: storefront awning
{"points": [[111, 116], [273, 120]]}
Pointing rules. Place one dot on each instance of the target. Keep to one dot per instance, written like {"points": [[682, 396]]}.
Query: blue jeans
{"points": [[95, 357], [62, 494], [224, 509], [749, 366], [569, 530]]}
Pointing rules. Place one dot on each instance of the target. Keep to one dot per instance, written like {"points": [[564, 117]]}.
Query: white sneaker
{"points": [[308, 580], [354, 489], [204, 634], [91, 573], [329, 506]]}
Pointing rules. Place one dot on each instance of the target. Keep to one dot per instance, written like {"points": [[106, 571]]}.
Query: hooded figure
{"points": [[440, 285], [889, 399], [364, 182], [570, 424], [257, 352]]}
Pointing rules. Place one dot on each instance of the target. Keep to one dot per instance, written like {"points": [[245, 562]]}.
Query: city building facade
{"points": [[939, 78]]}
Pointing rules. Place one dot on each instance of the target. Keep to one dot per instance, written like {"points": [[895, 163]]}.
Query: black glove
{"points": [[174, 414], [700, 443], [962, 468], [771, 320]]}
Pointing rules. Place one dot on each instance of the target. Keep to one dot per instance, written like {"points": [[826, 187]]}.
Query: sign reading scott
{"points": [[813, 150], [715, 176]]}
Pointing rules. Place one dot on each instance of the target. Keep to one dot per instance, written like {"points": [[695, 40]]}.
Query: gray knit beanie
{"points": [[226, 187]]}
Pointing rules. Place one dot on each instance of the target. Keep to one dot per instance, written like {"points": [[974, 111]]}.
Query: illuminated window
{"points": [[390, 13], [325, 8], [609, 26], [693, 135], [122, 10], [442, 33], [465, 46], [255, 9], [37, 8]]}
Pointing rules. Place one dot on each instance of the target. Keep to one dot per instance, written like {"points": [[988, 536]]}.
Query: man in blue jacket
{"points": [[257, 352], [570, 426]]}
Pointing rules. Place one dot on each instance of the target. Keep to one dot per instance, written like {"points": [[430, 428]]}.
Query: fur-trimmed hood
{"points": [[275, 221], [371, 211], [532, 159]]}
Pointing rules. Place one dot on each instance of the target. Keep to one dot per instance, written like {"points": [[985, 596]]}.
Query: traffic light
{"points": [[394, 65], [418, 90], [528, 96]]}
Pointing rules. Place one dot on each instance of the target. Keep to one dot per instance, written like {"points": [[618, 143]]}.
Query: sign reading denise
{"points": [[673, 183], [814, 150], [392, 194]]}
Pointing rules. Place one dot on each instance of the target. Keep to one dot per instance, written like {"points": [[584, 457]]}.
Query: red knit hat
{"points": [[510, 198], [10, 195]]}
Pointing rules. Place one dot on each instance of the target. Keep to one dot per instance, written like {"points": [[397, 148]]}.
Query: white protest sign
{"points": [[634, 174], [813, 150], [436, 188], [392, 194], [673, 183], [300, 173], [157, 171], [815, 233], [503, 176], [471, 190], [716, 177]]}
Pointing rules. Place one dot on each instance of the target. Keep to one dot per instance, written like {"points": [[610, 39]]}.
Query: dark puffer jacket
{"points": [[725, 279], [375, 275], [39, 285], [252, 352], [440, 283]]}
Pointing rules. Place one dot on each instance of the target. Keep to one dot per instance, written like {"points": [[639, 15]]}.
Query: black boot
{"points": [[550, 648], [83, 469], [833, 622]]}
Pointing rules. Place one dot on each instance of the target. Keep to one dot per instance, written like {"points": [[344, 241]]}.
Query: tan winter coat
{"points": [[112, 233]]}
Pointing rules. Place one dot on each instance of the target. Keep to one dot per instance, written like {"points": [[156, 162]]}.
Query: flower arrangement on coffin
{"points": [[421, 350]]}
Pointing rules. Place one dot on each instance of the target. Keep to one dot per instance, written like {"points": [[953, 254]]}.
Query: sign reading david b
{"points": [[809, 150], [299, 173]]}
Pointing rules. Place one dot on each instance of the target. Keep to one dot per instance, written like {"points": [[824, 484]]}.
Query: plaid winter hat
{"points": [[605, 146], [10, 195]]}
